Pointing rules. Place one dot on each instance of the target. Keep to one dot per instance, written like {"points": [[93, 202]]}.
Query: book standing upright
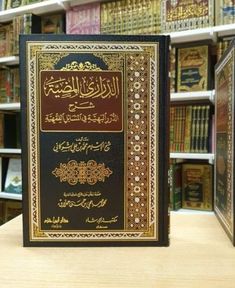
{"points": [[95, 116]]}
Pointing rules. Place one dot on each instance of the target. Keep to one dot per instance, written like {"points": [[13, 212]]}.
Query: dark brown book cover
{"points": [[224, 141], [95, 147]]}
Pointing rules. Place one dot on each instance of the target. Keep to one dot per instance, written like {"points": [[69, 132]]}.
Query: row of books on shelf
{"points": [[151, 16], [116, 17], [11, 175], [28, 24], [10, 4], [191, 128], [9, 84], [191, 186], [10, 130]]}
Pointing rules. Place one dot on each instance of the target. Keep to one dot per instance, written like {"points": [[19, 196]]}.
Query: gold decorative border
{"points": [[151, 148]]}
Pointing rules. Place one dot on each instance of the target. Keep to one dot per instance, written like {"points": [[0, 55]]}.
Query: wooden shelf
{"points": [[189, 96], [10, 106], [199, 156], [10, 196]]}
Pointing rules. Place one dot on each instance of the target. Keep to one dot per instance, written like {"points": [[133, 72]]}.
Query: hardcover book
{"points": [[224, 141], [183, 15], [175, 185], [83, 19], [94, 122], [197, 188], [12, 209], [13, 182], [193, 68], [53, 24]]}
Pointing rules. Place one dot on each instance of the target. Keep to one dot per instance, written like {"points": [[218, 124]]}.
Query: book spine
{"points": [[202, 127], [193, 134], [103, 18], [208, 188], [172, 69], [188, 124], [183, 118], [197, 133], [228, 12], [172, 120], [118, 13], [1, 132], [206, 130], [177, 186]]}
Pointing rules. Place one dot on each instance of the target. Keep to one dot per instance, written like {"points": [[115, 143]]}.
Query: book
{"points": [[53, 24], [190, 128], [6, 37], [130, 17], [24, 24], [2, 211], [15, 3], [224, 141], [12, 209], [172, 69], [185, 15], [197, 186], [9, 85], [96, 115], [10, 129], [193, 68], [13, 182], [83, 19], [175, 184]]}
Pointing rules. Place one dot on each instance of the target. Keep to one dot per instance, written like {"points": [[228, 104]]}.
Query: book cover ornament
{"points": [[93, 112]]}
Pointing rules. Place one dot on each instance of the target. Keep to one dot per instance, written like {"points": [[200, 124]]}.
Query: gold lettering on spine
{"points": [[187, 12], [82, 172]]}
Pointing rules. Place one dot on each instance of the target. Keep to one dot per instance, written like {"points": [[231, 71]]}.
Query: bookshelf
{"points": [[191, 96], [36, 8], [10, 196], [9, 61], [193, 156], [49, 6], [10, 106]]}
